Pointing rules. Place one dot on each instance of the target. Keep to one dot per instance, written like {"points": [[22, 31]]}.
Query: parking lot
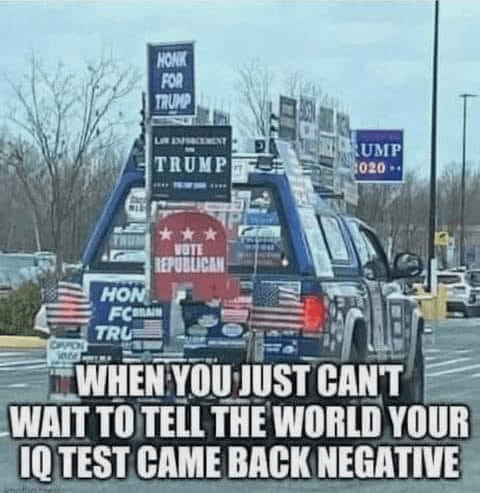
{"points": [[452, 376]]}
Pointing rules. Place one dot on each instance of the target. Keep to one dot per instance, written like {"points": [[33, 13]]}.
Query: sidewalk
{"points": [[22, 342]]}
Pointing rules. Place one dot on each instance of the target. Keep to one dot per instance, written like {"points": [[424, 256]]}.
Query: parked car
{"points": [[31, 266], [463, 291], [10, 280], [47, 261]]}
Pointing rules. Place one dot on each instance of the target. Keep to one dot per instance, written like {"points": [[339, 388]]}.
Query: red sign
{"points": [[191, 248]]}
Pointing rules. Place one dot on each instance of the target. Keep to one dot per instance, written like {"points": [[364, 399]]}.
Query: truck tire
{"points": [[413, 389], [358, 347]]}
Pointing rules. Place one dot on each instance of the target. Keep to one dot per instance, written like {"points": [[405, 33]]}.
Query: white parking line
{"points": [[453, 370], [4, 434], [22, 362], [28, 367], [12, 353], [449, 362], [432, 350], [31, 367]]}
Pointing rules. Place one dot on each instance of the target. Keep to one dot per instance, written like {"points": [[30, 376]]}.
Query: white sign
{"points": [[64, 352], [135, 205], [306, 118]]}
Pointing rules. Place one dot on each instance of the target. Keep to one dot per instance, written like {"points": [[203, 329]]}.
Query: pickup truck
{"points": [[315, 284]]}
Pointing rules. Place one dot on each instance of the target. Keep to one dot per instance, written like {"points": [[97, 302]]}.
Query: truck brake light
{"points": [[315, 309]]}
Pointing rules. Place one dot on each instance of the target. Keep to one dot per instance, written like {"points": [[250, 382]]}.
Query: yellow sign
{"points": [[441, 238], [433, 307]]}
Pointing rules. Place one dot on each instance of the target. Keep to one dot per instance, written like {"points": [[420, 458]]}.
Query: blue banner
{"points": [[113, 313], [379, 155], [171, 88]]}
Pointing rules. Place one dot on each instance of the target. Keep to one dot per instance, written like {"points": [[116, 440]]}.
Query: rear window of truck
{"points": [[258, 233]]}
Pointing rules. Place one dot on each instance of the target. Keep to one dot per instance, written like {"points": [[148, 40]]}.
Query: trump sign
{"points": [[378, 155]]}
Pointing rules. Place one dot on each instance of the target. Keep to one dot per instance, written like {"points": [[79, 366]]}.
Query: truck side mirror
{"points": [[407, 265]]}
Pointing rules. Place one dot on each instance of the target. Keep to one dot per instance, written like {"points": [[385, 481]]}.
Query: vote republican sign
{"points": [[378, 155], [191, 247]]}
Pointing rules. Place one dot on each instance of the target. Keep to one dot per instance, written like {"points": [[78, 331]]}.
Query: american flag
{"points": [[147, 328], [276, 306], [67, 305], [236, 311]]}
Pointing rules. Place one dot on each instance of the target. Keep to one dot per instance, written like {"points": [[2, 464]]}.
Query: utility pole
{"points": [[433, 163], [462, 203]]}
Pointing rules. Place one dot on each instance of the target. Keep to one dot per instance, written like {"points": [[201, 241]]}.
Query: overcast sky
{"points": [[374, 57]]}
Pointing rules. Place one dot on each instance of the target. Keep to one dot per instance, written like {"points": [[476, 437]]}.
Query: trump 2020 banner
{"points": [[171, 84], [191, 164], [378, 155]]}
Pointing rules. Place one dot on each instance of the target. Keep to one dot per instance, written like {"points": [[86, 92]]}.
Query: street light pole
{"points": [[462, 203], [433, 163]]}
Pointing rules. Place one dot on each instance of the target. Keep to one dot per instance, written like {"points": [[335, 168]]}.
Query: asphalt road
{"points": [[452, 376]]}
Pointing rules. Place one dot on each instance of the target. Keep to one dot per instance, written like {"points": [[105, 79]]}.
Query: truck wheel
{"points": [[358, 348], [413, 389]]}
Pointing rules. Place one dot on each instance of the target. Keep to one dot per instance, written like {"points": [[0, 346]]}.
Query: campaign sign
{"points": [[191, 248], [307, 118], [115, 304], [220, 118], [287, 128], [64, 351], [207, 335], [326, 120], [147, 328], [170, 71], [379, 155], [191, 164]]}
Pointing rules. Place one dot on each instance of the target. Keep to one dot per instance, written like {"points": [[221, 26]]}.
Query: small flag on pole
{"points": [[237, 310], [67, 305]]}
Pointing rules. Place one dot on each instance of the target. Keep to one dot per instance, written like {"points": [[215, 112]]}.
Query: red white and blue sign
{"points": [[171, 88], [115, 320], [378, 155], [191, 248]]}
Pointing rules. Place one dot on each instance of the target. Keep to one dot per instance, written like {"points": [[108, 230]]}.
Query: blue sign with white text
{"points": [[379, 155], [114, 305], [171, 88]]}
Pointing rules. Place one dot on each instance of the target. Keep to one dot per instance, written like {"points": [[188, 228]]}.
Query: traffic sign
{"points": [[441, 238]]}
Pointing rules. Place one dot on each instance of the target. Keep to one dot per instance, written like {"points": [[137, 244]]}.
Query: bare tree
{"points": [[254, 87], [64, 118], [297, 85], [397, 211]]}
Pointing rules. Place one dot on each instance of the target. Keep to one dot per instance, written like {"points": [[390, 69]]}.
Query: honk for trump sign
{"points": [[191, 248]]}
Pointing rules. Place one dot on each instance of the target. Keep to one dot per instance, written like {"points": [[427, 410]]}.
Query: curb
{"points": [[22, 342]]}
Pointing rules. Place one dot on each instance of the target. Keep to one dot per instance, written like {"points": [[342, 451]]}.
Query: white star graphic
{"points": [[210, 234], [165, 234], [187, 234]]}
